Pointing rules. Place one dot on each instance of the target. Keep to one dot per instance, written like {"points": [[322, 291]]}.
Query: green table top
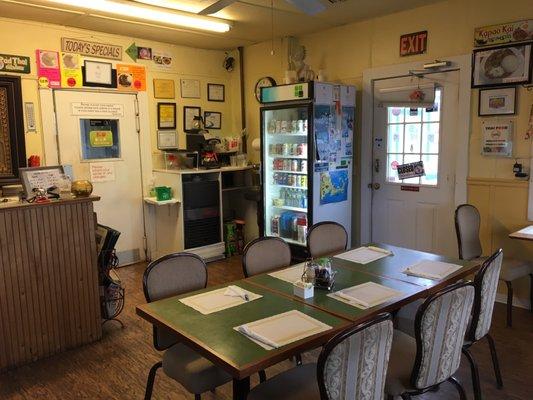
{"points": [[213, 335], [345, 278], [393, 266]]}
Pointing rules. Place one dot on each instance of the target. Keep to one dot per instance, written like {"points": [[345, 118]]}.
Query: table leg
{"points": [[241, 387]]}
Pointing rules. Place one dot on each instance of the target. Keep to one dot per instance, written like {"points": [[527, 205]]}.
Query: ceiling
{"points": [[251, 19]]}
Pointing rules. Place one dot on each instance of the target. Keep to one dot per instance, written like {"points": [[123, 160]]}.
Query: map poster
{"points": [[334, 186]]}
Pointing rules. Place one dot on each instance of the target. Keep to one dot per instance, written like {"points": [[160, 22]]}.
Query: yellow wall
{"points": [[24, 37], [345, 52]]}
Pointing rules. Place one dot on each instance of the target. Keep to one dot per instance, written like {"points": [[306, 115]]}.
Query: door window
{"points": [[413, 135], [99, 139]]}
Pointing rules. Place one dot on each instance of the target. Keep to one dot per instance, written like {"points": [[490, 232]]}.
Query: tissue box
{"points": [[303, 292]]}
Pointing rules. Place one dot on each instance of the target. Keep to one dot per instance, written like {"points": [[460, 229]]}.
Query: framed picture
{"points": [[212, 120], [188, 117], [215, 92], [500, 101], [166, 115], [502, 65], [164, 89], [167, 139], [190, 88], [40, 178], [99, 74]]}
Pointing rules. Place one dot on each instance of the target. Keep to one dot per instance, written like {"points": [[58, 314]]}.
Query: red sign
{"points": [[413, 43], [410, 188]]}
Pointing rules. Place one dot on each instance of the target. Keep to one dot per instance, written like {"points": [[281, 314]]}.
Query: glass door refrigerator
{"points": [[306, 158]]}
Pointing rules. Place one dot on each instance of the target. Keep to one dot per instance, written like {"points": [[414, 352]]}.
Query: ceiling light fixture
{"points": [[150, 14]]}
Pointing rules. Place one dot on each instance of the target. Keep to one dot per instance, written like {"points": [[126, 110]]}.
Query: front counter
{"points": [[202, 200], [49, 299]]}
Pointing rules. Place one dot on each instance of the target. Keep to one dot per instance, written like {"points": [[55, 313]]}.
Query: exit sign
{"points": [[413, 43]]}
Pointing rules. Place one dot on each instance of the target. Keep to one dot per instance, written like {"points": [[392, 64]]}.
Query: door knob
{"points": [[374, 186]]}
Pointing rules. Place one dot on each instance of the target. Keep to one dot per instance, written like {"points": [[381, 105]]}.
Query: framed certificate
{"points": [[189, 114], [166, 115], [99, 74], [212, 120], [215, 92]]}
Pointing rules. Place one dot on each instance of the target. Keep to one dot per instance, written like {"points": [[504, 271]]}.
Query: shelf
{"points": [[280, 156], [153, 201], [287, 134], [290, 187], [288, 208], [289, 172]]}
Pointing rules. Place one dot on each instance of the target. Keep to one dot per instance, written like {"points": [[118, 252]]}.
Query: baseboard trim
{"points": [[517, 302]]}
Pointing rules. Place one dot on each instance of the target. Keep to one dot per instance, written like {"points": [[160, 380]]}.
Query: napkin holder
{"points": [[303, 290]]}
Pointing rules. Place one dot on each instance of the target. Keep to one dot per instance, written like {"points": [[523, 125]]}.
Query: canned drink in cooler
{"points": [[304, 130], [278, 126], [294, 126], [283, 126], [294, 165], [303, 181], [285, 147], [303, 166]]}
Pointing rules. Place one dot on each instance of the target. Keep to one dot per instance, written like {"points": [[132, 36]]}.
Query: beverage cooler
{"points": [[306, 158]]}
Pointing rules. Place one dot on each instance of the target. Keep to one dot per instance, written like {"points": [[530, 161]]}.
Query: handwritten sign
{"points": [[92, 49], [102, 172], [99, 109], [411, 170], [413, 43], [518, 31], [11, 63], [40, 178]]}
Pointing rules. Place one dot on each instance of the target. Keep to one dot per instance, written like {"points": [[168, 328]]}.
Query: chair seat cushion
{"points": [[194, 372], [514, 269], [298, 383], [401, 363], [404, 320]]}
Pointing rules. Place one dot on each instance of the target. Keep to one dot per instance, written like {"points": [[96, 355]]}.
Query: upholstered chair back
{"points": [[265, 254], [325, 238], [353, 364], [172, 275], [440, 327], [467, 222], [486, 283]]}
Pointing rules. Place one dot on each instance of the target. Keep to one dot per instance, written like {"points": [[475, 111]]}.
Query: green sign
{"points": [[132, 51], [298, 91], [101, 138], [12, 63]]}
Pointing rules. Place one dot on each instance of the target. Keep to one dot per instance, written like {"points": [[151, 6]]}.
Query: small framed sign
{"points": [[413, 43], [497, 138], [497, 101], [188, 117], [212, 120], [216, 92], [166, 115], [167, 139], [98, 74]]}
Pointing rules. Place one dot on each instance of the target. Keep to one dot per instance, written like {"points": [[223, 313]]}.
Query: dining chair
{"points": [[325, 238], [265, 254], [486, 285], [422, 363], [168, 276], [467, 224], [352, 365]]}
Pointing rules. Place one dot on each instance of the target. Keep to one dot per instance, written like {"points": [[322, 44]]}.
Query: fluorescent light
{"points": [[170, 18]]}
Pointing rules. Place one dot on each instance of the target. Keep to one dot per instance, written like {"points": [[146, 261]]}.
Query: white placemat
{"points": [[218, 300], [282, 329], [434, 270], [528, 230], [290, 274], [366, 295], [364, 255]]}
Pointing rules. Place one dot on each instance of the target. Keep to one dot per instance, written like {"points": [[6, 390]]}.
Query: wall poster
{"points": [[334, 186], [131, 77], [48, 68], [497, 138]]}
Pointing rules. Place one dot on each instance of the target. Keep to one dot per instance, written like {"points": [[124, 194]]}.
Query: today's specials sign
{"points": [[91, 49]]}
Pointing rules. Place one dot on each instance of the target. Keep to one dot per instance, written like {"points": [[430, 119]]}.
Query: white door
{"points": [[97, 131], [417, 213]]}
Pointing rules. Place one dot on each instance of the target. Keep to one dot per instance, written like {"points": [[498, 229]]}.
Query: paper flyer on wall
{"points": [[162, 59], [48, 68], [131, 77], [71, 75], [334, 186]]}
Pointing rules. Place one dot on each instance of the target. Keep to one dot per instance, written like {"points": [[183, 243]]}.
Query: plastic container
{"points": [[163, 193]]}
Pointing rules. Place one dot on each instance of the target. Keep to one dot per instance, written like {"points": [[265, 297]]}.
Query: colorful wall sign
{"points": [[101, 138], [413, 43], [411, 170], [518, 31], [48, 68], [93, 49], [71, 75], [131, 77], [12, 63]]}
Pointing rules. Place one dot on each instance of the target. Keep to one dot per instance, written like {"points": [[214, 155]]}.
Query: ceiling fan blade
{"points": [[310, 7], [216, 7]]}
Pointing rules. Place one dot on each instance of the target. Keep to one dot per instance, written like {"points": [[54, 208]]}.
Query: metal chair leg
{"points": [[262, 376], [495, 361], [509, 303], [531, 293], [459, 387], [298, 359], [475, 374], [150, 381]]}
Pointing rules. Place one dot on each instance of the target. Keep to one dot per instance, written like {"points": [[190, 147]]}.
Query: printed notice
{"points": [[102, 172], [99, 109]]}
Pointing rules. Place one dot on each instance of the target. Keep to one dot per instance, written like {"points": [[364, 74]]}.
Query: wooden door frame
{"points": [[16, 123], [463, 64]]}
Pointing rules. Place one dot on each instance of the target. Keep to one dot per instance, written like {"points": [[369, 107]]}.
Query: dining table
{"points": [[215, 335], [523, 234]]}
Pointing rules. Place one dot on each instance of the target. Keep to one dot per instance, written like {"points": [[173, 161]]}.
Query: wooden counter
{"points": [[49, 300]]}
